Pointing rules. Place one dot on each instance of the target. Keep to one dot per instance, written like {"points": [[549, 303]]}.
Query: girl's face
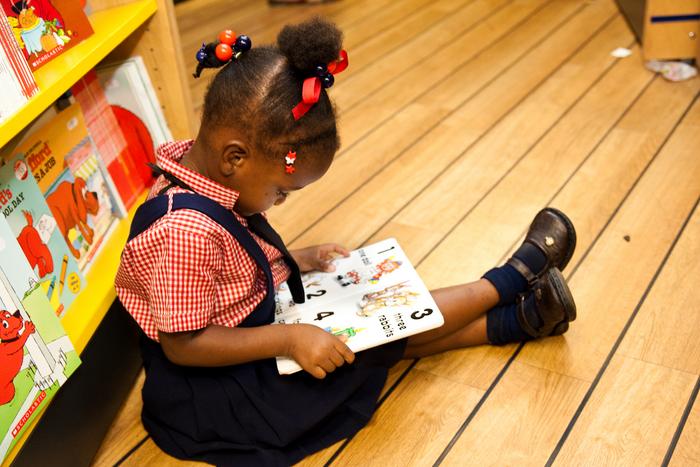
{"points": [[263, 183]]}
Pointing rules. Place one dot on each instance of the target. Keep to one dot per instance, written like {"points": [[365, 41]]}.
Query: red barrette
{"points": [[311, 90], [289, 162]]}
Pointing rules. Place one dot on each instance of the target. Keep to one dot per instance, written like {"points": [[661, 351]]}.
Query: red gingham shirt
{"points": [[186, 272]]}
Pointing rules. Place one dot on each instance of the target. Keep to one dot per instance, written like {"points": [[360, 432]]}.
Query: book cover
{"points": [[63, 161], [109, 139], [36, 355], [36, 231], [44, 29], [135, 105], [374, 297]]}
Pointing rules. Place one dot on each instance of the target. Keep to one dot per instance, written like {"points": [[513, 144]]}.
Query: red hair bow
{"points": [[311, 90]]}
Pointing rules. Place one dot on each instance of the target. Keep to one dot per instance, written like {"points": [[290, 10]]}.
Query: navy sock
{"points": [[532, 256], [503, 327], [508, 283]]}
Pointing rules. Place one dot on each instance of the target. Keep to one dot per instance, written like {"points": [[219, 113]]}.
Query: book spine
{"points": [[16, 59]]}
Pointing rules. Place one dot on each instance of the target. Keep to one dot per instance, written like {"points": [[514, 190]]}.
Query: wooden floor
{"points": [[460, 119]]}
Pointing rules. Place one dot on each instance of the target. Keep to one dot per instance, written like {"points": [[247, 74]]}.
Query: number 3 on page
{"points": [[421, 314]]}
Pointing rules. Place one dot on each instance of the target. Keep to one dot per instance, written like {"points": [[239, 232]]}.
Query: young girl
{"points": [[200, 271]]}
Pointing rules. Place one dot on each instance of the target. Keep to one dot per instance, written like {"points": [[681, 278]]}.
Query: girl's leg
{"points": [[460, 305], [470, 335]]}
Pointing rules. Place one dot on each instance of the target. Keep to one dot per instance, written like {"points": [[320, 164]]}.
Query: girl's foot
{"points": [[550, 243], [545, 310], [548, 308]]}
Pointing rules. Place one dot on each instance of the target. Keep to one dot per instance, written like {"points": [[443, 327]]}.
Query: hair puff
{"points": [[311, 43]]}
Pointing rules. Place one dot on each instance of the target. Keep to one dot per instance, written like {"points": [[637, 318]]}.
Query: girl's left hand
{"points": [[318, 258]]}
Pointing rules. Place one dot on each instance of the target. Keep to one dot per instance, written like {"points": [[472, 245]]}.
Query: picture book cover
{"points": [[374, 296], [36, 355], [44, 29], [36, 231], [108, 137], [135, 105], [63, 161]]}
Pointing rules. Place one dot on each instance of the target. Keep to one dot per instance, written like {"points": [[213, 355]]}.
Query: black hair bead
{"points": [[321, 70], [243, 43], [328, 80]]}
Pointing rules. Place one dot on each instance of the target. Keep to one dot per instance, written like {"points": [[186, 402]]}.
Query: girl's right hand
{"points": [[318, 352]]}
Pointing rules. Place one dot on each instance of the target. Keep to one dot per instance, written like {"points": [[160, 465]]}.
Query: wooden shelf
{"points": [[112, 26], [91, 305]]}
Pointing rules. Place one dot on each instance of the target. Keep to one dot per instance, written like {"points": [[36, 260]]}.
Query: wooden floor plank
{"points": [[436, 405], [401, 132], [631, 418], [607, 286], [534, 390], [504, 133], [635, 409], [687, 451]]}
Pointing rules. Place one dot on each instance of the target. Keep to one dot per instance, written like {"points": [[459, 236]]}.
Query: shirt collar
{"points": [[168, 156]]}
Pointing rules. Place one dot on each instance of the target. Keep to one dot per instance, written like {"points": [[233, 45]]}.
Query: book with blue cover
{"points": [[35, 229]]}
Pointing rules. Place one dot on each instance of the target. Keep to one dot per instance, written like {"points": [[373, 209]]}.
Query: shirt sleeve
{"points": [[183, 287]]}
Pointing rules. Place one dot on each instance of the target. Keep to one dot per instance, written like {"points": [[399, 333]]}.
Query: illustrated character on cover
{"points": [[11, 351], [70, 204], [395, 295], [38, 26], [372, 274], [36, 251]]}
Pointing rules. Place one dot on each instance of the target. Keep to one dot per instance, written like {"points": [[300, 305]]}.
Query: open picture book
{"points": [[374, 297]]}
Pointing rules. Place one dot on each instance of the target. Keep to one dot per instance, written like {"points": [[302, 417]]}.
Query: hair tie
{"points": [[216, 54], [311, 89]]}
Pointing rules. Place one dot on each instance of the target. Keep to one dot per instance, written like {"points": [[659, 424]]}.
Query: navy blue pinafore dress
{"points": [[248, 414]]}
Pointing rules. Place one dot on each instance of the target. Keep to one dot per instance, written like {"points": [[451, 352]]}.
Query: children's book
{"points": [[36, 355], [44, 29], [17, 83], [76, 185], [134, 102], [107, 135], [36, 231], [374, 296]]}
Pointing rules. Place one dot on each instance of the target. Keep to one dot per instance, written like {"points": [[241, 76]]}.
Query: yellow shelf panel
{"points": [[111, 27], [91, 305]]}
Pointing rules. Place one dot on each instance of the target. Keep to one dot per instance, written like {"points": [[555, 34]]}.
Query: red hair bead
{"points": [[224, 52], [227, 37]]}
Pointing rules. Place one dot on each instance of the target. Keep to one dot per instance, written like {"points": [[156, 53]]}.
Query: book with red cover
{"points": [[46, 28], [109, 139]]}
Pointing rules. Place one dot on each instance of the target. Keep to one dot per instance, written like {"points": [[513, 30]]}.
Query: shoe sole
{"points": [[571, 234], [556, 278]]}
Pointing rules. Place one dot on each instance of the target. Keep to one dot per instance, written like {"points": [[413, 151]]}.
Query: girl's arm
{"points": [[317, 351]]}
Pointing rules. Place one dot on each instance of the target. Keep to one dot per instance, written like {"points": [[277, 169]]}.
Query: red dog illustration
{"points": [[34, 248], [70, 204], [11, 351]]}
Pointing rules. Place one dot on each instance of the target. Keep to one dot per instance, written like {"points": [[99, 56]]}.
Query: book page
{"points": [[372, 298]]}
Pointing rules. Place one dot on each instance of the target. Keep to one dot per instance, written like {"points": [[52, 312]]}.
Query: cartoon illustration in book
{"points": [[11, 350], [38, 26], [347, 332], [71, 203], [395, 295], [34, 247], [371, 275]]}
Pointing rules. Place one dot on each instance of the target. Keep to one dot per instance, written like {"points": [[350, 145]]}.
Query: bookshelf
{"points": [[122, 28]]}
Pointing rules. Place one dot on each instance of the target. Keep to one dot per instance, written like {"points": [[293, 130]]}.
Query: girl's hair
{"points": [[257, 92]]}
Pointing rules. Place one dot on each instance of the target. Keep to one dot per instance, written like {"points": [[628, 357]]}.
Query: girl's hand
{"points": [[318, 352], [318, 258]]}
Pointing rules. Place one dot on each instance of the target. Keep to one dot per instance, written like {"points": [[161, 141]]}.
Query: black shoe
{"points": [[554, 234], [549, 306]]}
